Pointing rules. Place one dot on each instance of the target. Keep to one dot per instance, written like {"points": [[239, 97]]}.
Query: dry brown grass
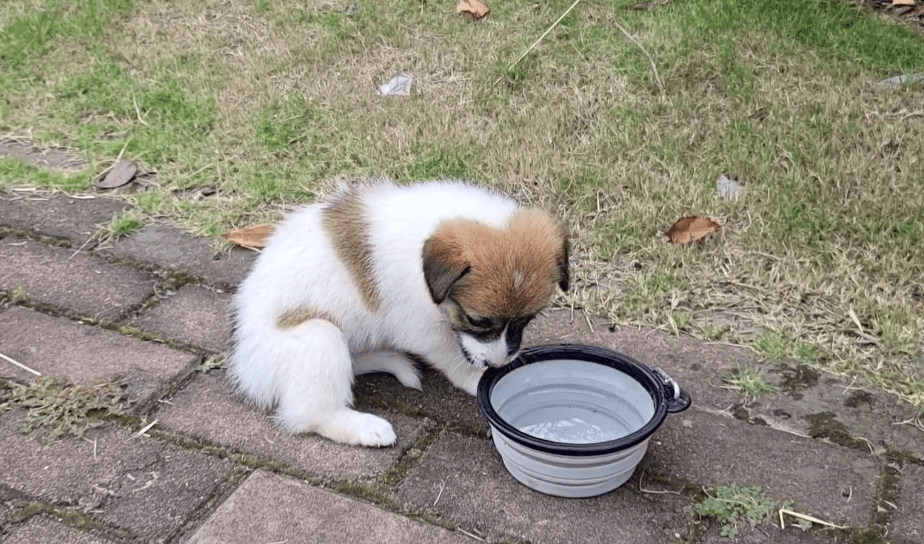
{"points": [[580, 127]]}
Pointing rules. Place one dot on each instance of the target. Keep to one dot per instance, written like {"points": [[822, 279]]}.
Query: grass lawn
{"points": [[270, 102]]}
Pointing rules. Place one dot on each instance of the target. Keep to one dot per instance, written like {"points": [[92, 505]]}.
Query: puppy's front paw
{"points": [[359, 429], [374, 431]]}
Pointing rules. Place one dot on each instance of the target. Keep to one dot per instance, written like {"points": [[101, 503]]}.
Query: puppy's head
{"points": [[490, 282]]}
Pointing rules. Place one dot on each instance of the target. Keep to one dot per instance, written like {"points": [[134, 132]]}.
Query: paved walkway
{"points": [[149, 312]]}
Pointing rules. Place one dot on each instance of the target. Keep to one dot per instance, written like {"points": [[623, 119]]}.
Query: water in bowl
{"points": [[573, 430]]}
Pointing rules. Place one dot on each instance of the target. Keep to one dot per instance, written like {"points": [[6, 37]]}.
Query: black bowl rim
{"points": [[639, 372]]}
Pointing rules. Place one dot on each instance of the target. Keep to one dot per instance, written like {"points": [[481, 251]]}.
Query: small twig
{"points": [[849, 386], [94, 446], [914, 422], [144, 430], [654, 491], [440, 494], [20, 365], [856, 320], [806, 518], [589, 324], [470, 535], [654, 68], [544, 34], [85, 244], [137, 110], [123, 150]]}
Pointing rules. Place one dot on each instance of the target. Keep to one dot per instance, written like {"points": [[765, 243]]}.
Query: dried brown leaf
{"points": [[120, 174], [251, 237], [475, 8], [691, 228]]}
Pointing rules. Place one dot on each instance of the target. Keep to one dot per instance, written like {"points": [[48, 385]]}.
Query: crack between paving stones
{"points": [[223, 489], [106, 324], [67, 515], [180, 277], [54, 241]]}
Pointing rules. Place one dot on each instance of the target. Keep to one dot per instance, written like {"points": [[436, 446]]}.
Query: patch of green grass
{"points": [[18, 294], [732, 504], [779, 346], [442, 161], [283, 123], [64, 409], [749, 383], [15, 171], [123, 225]]}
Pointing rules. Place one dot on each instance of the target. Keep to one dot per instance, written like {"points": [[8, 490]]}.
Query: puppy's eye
{"points": [[478, 323]]}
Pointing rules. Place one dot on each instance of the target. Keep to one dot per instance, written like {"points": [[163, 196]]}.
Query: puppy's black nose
{"points": [[514, 339]]}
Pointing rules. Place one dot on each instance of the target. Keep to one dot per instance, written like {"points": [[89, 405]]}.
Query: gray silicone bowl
{"points": [[573, 420]]}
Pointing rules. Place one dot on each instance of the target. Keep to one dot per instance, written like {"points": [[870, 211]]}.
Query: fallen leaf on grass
{"points": [[252, 237], [121, 173], [474, 7], [691, 228]]}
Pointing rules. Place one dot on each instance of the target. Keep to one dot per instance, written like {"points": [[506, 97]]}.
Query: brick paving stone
{"points": [[137, 484], [271, 508], [168, 247], [766, 533], [827, 481], [438, 399], [40, 530], [463, 479], [79, 283], [84, 354], [696, 366], [58, 216], [193, 315], [907, 525], [210, 410]]}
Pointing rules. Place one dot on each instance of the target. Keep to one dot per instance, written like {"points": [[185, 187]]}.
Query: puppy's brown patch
{"points": [[294, 318], [344, 218], [509, 271]]}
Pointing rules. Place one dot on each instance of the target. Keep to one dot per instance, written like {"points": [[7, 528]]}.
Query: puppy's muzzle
{"points": [[494, 352]]}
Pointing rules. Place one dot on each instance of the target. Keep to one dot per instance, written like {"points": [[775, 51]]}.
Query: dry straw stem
{"points": [[544, 34], [145, 429], [20, 365], [806, 518], [651, 61]]}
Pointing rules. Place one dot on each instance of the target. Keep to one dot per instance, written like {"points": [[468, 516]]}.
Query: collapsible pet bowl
{"points": [[572, 420]]}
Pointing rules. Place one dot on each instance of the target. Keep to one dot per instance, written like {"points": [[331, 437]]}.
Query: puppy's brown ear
{"points": [[564, 279], [441, 271]]}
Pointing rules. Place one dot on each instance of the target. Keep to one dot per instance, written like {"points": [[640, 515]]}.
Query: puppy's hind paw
{"points": [[393, 363], [409, 377]]}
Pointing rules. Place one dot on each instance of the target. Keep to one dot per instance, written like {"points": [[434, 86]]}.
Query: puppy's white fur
{"points": [[333, 296]]}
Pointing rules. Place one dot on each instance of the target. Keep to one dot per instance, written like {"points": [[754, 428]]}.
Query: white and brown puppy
{"points": [[444, 270]]}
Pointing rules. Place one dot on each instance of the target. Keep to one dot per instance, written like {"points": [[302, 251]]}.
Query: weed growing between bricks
{"points": [[63, 409], [69, 517], [733, 503]]}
